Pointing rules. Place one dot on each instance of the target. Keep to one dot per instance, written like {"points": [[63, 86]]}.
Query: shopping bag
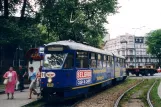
{"points": [[5, 81], [17, 85]]}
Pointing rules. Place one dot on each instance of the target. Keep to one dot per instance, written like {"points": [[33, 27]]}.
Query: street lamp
{"points": [[134, 42]]}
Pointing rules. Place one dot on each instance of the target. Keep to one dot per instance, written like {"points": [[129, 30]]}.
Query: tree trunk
{"points": [[1, 5], [23, 9], [6, 11]]}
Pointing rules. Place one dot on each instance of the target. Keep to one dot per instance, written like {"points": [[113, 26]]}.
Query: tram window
{"points": [[111, 60], [82, 60], [118, 63], [104, 61], [121, 63], [108, 61], [69, 63], [92, 60], [99, 61]]}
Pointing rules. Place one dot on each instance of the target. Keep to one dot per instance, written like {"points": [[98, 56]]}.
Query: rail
{"points": [[148, 95], [118, 100]]}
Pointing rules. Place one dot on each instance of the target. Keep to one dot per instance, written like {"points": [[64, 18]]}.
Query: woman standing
{"points": [[11, 75]]}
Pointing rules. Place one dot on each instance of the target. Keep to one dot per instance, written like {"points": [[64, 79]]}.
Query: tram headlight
{"points": [[49, 80]]}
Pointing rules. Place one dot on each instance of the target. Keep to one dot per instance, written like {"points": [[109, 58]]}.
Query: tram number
{"points": [[83, 82], [50, 84]]}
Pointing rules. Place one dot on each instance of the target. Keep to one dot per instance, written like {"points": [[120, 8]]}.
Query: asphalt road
{"points": [[157, 75]]}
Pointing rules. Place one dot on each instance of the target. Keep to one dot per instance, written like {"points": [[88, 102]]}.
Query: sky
{"points": [[136, 17]]}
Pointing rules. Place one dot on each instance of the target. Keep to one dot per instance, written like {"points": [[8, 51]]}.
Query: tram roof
{"points": [[119, 56], [79, 46]]}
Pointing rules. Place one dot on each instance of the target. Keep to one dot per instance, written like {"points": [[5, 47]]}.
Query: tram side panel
{"points": [[119, 69]]}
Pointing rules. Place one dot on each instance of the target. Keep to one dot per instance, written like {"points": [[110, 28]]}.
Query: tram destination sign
{"points": [[55, 48]]}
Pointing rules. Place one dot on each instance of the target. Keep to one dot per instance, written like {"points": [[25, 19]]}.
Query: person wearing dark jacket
{"points": [[21, 74]]}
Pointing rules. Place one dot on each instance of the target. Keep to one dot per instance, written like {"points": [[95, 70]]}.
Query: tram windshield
{"points": [[54, 61]]}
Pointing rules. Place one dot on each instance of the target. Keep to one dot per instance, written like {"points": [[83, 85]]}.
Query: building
{"points": [[133, 48]]}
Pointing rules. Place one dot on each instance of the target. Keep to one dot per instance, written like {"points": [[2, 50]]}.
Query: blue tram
{"points": [[71, 69]]}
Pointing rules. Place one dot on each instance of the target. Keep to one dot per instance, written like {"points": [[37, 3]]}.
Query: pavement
{"points": [[20, 99], [2, 91]]}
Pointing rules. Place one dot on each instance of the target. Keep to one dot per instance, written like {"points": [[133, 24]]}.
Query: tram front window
{"points": [[54, 61]]}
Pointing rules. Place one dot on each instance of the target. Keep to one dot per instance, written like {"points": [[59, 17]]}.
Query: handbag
{"points": [[5, 81]]}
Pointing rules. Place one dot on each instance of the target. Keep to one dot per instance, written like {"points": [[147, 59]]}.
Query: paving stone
{"points": [[21, 98]]}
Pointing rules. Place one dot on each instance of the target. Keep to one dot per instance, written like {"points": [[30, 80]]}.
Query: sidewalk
{"points": [[20, 99], [3, 91]]}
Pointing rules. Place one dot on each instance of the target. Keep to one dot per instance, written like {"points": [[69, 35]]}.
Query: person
{"points": [[21, 75], [39, 73], [11, 75], [38, 76], [32, 77]]}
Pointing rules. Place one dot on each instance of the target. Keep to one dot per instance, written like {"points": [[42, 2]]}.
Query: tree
{"points": [[79, 20], [153, 41]]}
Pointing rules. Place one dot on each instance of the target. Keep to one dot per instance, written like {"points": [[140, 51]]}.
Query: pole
{"points": [[1, 56], [126, 53], [134, 51]]}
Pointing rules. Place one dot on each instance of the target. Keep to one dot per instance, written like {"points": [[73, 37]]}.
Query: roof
{"points": [[33, 53], [79, 46], [119, 56]]}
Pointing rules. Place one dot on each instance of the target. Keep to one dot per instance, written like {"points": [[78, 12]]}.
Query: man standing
{"points": [[21, 75]]}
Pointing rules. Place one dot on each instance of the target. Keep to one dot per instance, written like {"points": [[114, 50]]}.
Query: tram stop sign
{"points": [[41, 51]]}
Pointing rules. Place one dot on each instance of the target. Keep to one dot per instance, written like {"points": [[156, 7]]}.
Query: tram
{"points": [[71, 69]]}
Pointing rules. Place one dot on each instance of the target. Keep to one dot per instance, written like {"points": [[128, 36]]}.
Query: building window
{"points": [[137, 59], [123, 52], [131, 52], [140, 52], [119, 52], [131, 59]]}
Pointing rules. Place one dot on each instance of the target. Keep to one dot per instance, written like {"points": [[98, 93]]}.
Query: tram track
{"points": [[117, 103], [71, 102], [148, 95]]}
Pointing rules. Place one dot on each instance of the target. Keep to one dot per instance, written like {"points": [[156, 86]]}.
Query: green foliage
{"points": [[79, 20], [153, 41], [155, 99]]}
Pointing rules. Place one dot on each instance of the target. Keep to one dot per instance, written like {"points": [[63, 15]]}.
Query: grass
{"points": [[155, 99], [140, 91], [122, 85]]}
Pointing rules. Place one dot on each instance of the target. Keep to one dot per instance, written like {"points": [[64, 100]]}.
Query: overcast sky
{"points": [[135, 14]]}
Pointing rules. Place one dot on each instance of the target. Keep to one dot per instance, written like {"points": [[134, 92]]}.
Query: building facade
{"points": [[133, 48]]}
